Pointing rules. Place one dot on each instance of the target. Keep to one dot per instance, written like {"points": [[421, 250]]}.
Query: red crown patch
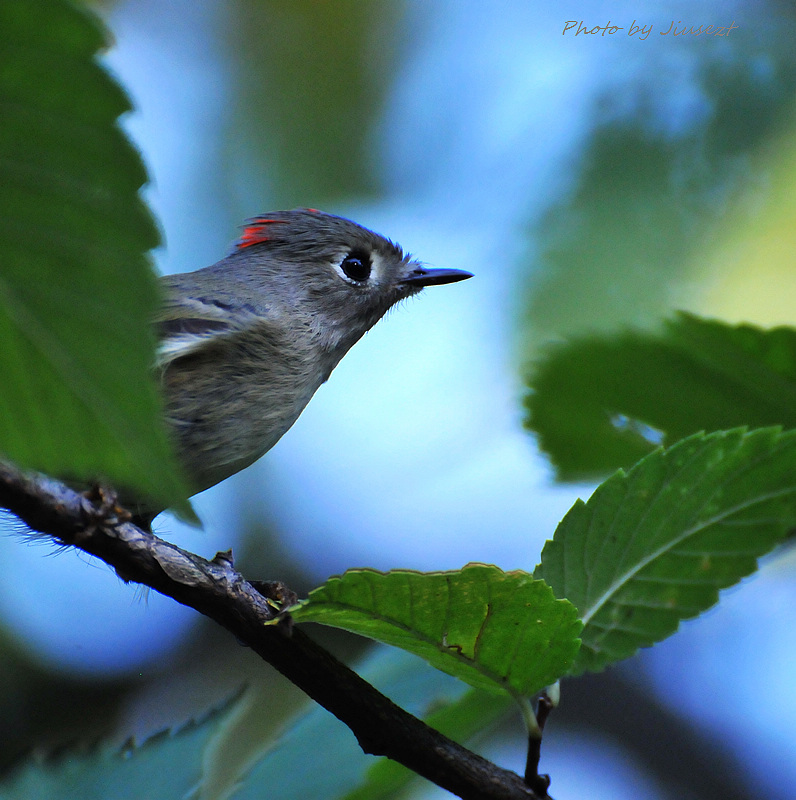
{"points": [[256, 231]]}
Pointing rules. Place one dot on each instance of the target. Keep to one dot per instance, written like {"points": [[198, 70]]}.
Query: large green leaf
{"points": [[492, 629], [76, 287], [654, 545], [595, 401]]}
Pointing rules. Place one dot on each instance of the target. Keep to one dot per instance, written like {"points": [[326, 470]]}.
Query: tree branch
{"points": [[216, 590]]}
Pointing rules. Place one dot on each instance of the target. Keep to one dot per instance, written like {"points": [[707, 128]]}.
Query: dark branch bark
{"points": [[216, 590]]}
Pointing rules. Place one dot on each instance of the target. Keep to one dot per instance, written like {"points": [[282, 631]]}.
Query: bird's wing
{"points": [[185, 323]]}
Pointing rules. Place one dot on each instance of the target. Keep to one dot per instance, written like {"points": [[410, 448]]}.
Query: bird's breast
{"points": [[231, 400]]}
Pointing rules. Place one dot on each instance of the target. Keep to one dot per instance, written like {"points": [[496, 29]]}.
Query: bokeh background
{"points": [[591, 182]]}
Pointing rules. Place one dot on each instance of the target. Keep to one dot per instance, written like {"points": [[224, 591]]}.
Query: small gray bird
{"points": [[245, 343]]}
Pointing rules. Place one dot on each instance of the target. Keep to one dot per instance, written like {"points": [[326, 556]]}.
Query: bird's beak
{"points": [[420, 276]]}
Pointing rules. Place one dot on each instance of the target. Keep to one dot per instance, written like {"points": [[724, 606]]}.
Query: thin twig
{"points": [[539, 783]]}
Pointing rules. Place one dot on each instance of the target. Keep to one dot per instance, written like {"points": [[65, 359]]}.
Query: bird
{"points": [[244, 344]]}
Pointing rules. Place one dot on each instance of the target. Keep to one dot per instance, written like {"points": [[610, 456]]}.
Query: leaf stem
{"points": [[535, 721]]}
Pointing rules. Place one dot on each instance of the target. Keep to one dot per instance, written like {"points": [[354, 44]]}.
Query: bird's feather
{"points": [[184, 324]]}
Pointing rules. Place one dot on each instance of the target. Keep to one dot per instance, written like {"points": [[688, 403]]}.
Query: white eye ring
{"points": [[359, 267], [356, 266]]}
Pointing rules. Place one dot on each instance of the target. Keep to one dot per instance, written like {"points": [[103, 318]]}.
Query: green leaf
{"points": [[167, 766], [76, 287], [493, 629], [597, 402], [654, 545]]}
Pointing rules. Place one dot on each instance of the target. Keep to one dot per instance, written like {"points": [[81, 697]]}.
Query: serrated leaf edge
{"points": [[743, 434]]}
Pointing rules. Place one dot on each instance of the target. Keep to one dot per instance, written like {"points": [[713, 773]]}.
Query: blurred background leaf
{"points": [[307, 96], [643, 229], [599, 403], [165, 767], [341, 769], [232, 750]]}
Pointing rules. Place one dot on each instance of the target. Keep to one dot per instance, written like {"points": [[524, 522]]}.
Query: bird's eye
{"points": [[356, 266]]}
